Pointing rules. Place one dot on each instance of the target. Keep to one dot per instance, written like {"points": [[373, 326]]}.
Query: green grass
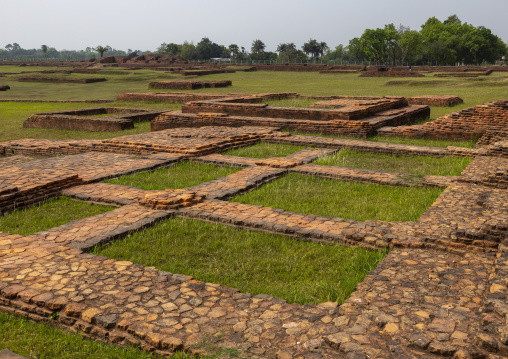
{"points": [[418, 165], [52, 213], [253, 262], [13, 115], [264, 150], [118, 81], [181, 175], [397, 140], [349, 200], [36, 340]]}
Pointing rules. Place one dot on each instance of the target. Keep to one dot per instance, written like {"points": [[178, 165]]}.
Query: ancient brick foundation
{"points": [[467, 124], [188, 85], [358, 117], [59, 79], [435, 100], [81, 120], [172, 97], [383, 71], [440, 292]]}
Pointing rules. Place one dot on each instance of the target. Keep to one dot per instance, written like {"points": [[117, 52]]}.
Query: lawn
{"points": [[303, 194], [418, 165], [52, 213], [264, 150], [253, 262], [181, 175]]}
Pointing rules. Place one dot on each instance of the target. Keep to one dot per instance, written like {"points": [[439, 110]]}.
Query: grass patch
{"points": [[350, 200], [36, 340], [264, 150], [15, 113], [52, 213], [396, 140], [181, 175], [254, 262], [418, 165]]}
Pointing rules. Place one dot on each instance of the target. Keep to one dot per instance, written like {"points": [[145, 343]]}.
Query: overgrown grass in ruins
{"points": [[348, 200], [52, 213], [183, 174], [418, 165], [264, 150], [253, 262], [397, 140], [37, 340]]}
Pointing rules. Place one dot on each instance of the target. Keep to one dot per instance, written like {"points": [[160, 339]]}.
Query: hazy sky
{"points": [[144, 25]]}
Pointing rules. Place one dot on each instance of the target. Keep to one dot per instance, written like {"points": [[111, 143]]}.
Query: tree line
{"points": [[449, 42], [15, 51]]}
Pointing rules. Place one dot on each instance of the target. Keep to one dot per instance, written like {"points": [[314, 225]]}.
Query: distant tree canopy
{"points": [[448, 42]]}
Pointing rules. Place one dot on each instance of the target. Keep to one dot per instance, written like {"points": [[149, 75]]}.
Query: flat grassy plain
{"points": [[474, 91]]}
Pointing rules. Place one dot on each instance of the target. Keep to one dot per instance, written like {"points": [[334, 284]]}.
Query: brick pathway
{"points": [[440, 292]]}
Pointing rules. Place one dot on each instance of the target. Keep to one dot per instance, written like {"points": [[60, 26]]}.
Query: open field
{"points": [[474, 91]]}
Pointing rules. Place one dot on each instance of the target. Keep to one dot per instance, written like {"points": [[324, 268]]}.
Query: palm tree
{"points": [[102, 49]]}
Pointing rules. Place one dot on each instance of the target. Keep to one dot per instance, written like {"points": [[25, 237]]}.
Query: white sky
{"points": [[144, 25]]}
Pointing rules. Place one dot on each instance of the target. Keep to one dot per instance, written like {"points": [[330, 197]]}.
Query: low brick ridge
{"points": [[373, 176], [103, 228], [122, 303]]}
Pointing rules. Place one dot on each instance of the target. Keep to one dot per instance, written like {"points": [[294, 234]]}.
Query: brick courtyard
{"points": [[440, 292]]}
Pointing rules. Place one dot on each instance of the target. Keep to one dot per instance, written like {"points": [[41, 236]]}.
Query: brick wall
{"points": [[464, 125]]}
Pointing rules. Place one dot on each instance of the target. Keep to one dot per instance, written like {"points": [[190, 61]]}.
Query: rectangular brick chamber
{"points": [[80, 120], [59, 79], [358, 117], [188, 85], [171, 97]]}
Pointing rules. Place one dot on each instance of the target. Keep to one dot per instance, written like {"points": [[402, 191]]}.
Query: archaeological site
{"points": [[441, 290]]}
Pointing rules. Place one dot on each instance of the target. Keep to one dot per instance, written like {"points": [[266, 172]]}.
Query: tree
{"points": [[44, 49], [208, 49], [257, 47], [170, 49], [411, 44], [102, 49], [314, 48], [189, 51], [288, 53], [338, 54], [234, 50]]}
